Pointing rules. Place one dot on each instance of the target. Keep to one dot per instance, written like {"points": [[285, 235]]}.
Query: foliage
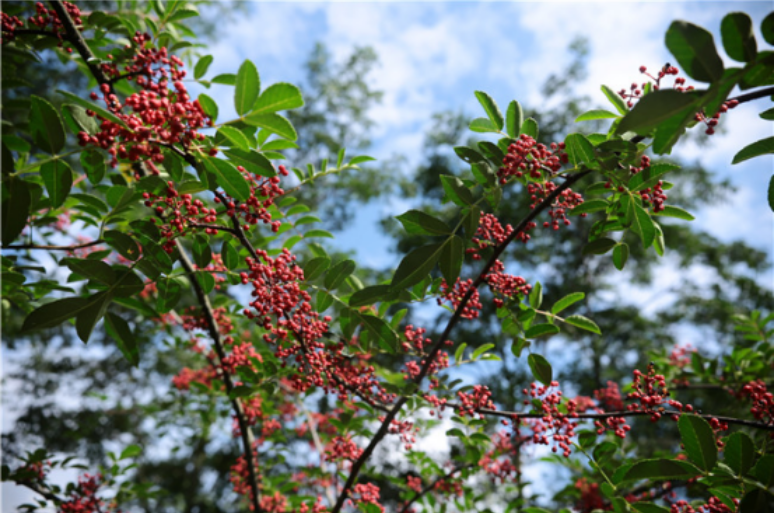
{"points": [[188, 233]]}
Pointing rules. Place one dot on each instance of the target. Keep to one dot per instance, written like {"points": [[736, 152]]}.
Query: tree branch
{"points": [[433, 484], [20, 247], [248, 440], [383, 429]]}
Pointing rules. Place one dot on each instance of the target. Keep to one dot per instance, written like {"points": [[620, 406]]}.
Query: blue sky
{"points": [[434, 55]]}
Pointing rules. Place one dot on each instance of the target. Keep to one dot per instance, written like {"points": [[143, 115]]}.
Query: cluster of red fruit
{"points": [[42, 19]]}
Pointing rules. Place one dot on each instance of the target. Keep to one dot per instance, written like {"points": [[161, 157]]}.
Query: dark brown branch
{"points": [[213, 227], [42, 491], [36, 32], [433, 484], [384, 427], [20, 247], [248, 440], [755, 95]]}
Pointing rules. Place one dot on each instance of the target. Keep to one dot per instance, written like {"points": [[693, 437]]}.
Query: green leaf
{"points": [[670, 211], [596, 114], [756, 149], [209, 106], [229, 255], [584, 323], [91, 269], [469, 155], [94, 164], [236, 137], [252, 161], [580, 149], [481, 350], [119, 330], [771, 193], [92, 312], [620, 255], [616, 100], [491, 108], [46, 126], [202, 252], [76, 118], [642, 224], [540, 368], [315, 267], [540, 330], [360, 159], [369, 295], [518, 346], [660, 470], [530, 128], [15, 208], [599, 246], [273, 123], [379, 329], [536, 295], [415, 266], [58, 179], [169, 293], [416, 222], [202, 66], [248, 85], [276, 97], [338, 273], [764, 470], [130, 452], [756, 501], [318, 233], [227, 176], [514, 117], [694, 49], [590, 206], [54, 313], [225, 79], [452, 256], [567, 301], [767, 28], [767, 114], [738, 37], [94, 107], [456, 190], [654, 109], [739, 453], [482, 125]]}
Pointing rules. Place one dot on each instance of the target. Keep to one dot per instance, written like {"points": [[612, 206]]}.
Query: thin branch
{"points": [[20, 247], [213, 227], [433, 484], [36, 32], [248, 440], [760, 93], [126, 75], [383, 429], [41, 490]]}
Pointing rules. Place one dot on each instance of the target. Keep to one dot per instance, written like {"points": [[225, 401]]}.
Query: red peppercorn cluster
{"points": [[591, 498], [42, 19], [636, 92], [342, 448], [652, 394], [455, 294], [240, 474], [763, 400], [505, 285], [609, 398], [470, 404], [160, 115], [527, 157], [84, 498], [567, 200], [407, 432], [680, 356], [498, 462], [713, 505], [553, 421], [367, 493]]}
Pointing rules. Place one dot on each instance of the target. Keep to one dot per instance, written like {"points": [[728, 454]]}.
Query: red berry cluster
{"points": [[553, 420], [342, 448], [160, 115], [526, 156], [609, 398], [42, 19], [651, 392], [591, 498], [455, 294], [712, 122], [506, 285], [567, 200], [367, 493], [470, 404], [498, 462], [763, 401], [84, 498]]}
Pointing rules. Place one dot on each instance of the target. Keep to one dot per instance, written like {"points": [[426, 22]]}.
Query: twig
{"points": [[248, 440], [20, 247], [433, 484], [383, 429], [41, 490]]}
